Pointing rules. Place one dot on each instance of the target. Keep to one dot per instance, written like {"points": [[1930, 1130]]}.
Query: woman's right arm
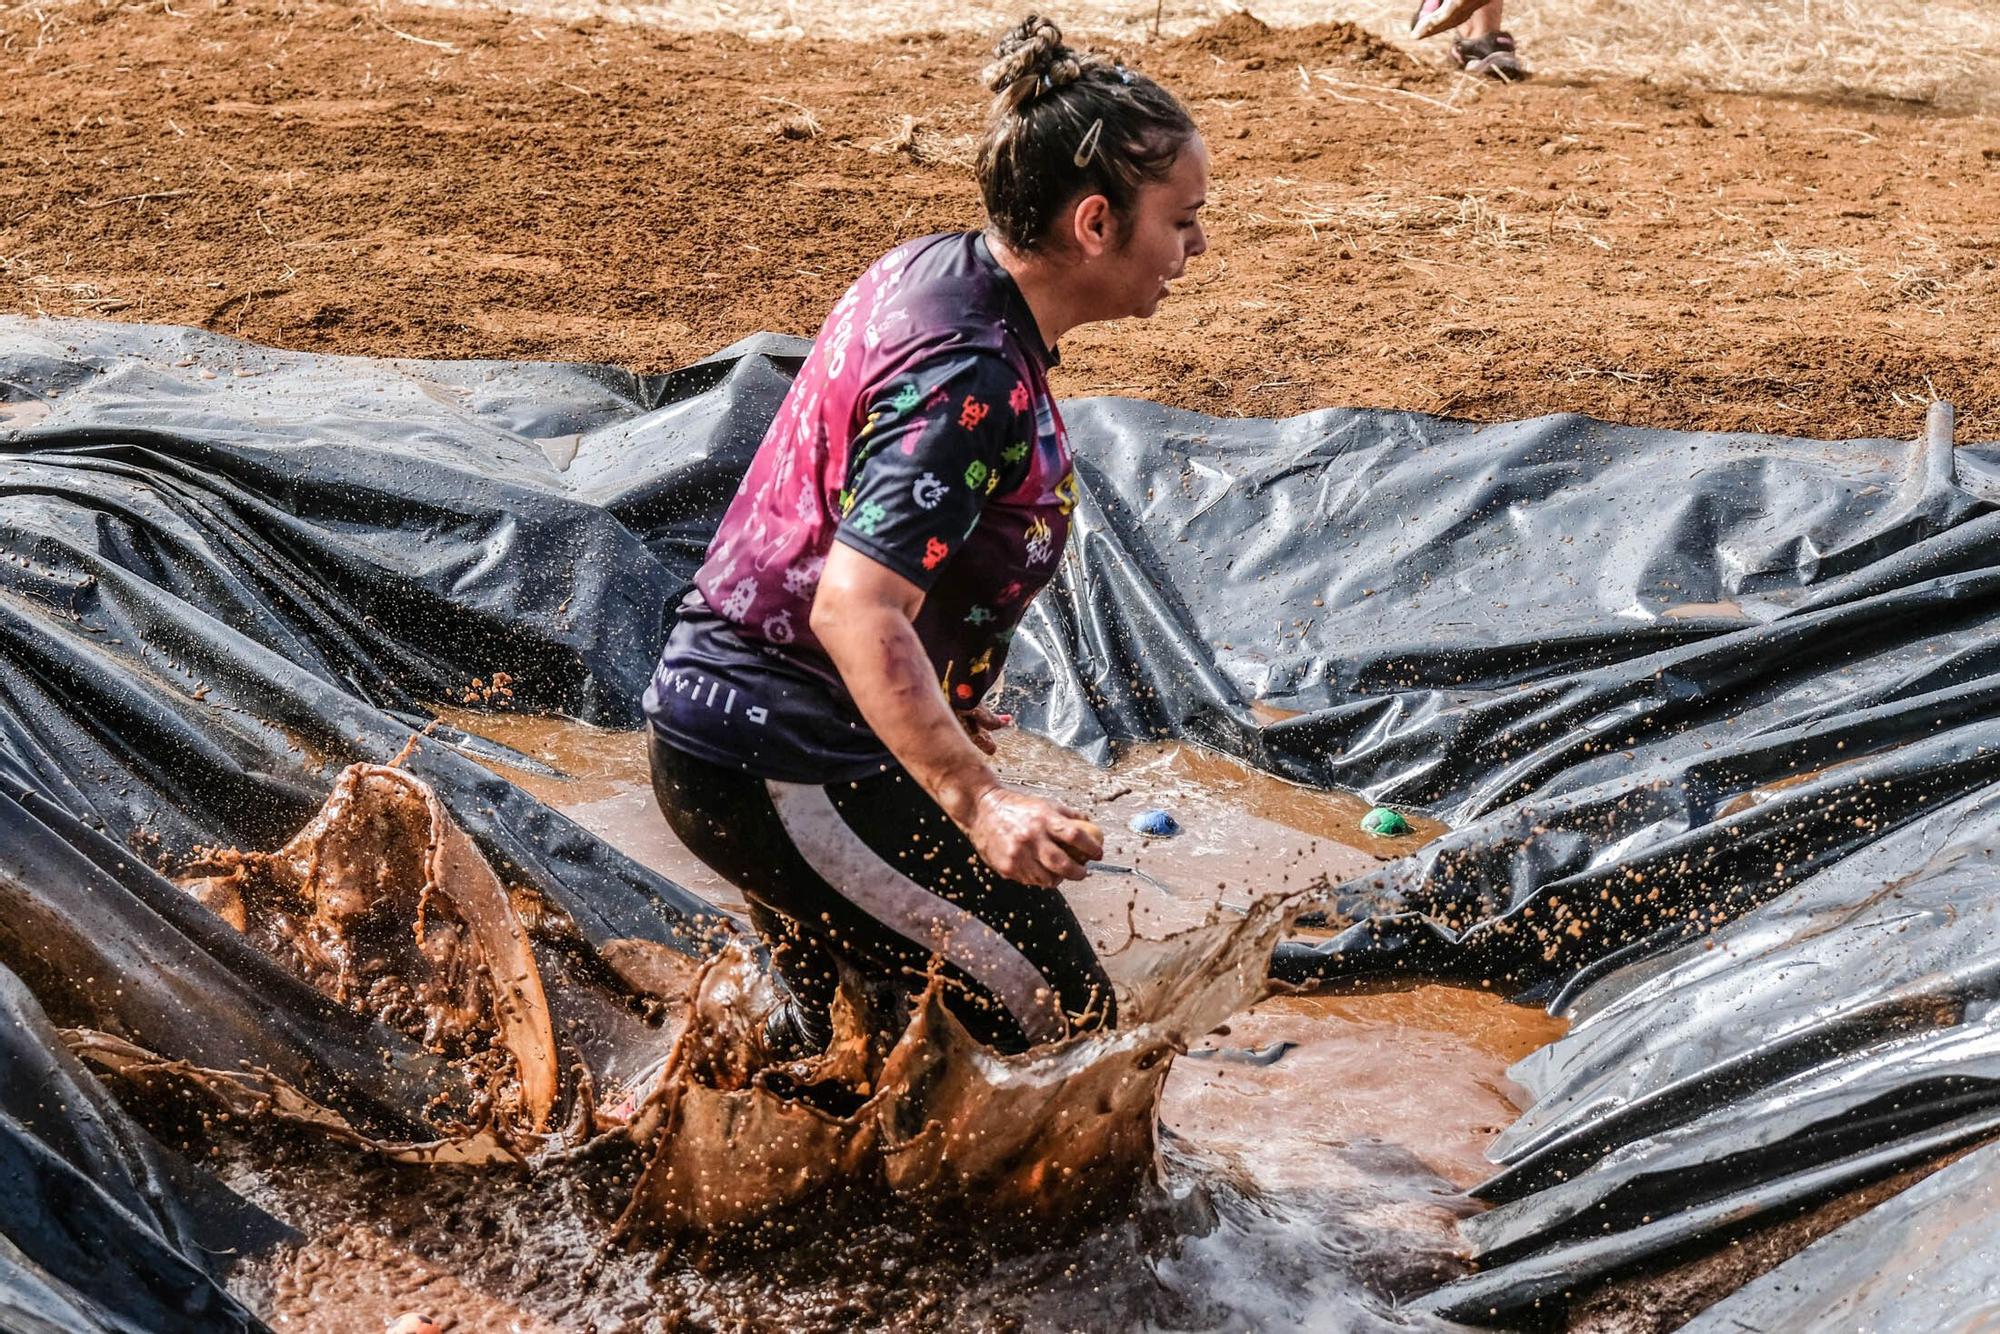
{"points": [[863, 614]]}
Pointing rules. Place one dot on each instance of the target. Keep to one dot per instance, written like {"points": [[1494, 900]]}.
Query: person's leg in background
{"points": [[1484, 47]]}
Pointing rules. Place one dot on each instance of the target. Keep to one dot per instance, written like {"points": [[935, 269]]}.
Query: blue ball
{"points": [[1155, 823]]}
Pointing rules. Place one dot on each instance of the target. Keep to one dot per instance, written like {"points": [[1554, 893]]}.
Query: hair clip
{"points": [[1088, 144]]}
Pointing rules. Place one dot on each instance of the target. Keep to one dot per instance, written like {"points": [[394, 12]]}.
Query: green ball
{"points": [[1384, 823]]}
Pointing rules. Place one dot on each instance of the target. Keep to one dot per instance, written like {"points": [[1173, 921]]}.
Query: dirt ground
{"points": [[442, 183]]}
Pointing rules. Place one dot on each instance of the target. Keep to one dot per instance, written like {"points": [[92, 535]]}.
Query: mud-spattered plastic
{"points": [[225, 574], [1656, 679], [100, 1227], [1842, 1032]]}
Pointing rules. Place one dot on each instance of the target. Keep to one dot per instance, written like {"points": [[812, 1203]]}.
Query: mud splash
{"points": [[1056, 1135], [383, 903], [1300, 1167]]}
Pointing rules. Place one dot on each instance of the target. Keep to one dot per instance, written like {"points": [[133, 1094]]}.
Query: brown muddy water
{"points": [[1314, 1147]]}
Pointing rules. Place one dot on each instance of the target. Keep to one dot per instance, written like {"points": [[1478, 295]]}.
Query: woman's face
{"points": [[1161, 236]]}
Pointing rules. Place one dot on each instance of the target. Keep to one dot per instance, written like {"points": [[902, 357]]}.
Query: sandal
{"points": [[1492, 55]]}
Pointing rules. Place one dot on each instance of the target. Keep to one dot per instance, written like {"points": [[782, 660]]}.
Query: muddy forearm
{"points": [[885, 668]]}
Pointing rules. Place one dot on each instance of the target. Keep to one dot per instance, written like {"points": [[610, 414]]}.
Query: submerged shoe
{"points": [[796, 1033], [1493, 56]]}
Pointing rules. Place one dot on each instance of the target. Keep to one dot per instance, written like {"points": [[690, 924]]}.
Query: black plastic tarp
{"points": [[1656, 679], [101, 1228], [1924, 1260], [227, 573], [1601, 651], [1836, 1034]]}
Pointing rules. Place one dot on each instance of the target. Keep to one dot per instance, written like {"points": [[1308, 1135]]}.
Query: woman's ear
{"points": [[1094, 226]]}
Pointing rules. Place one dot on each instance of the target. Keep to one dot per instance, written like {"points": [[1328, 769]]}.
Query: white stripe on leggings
{"points": [[832, 848]]}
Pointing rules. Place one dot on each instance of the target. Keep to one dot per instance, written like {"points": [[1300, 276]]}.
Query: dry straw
{"points": [[1945, 52]]}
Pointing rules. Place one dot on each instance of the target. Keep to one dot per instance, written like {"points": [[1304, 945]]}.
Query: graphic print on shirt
{"points": [[1040, 541], [803, 576], [1066, 493], [868, 518], [741, 598], [910, 514], [919, 431]]}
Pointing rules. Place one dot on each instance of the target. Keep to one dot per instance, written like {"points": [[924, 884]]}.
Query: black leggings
{"points": [[875, 875]]}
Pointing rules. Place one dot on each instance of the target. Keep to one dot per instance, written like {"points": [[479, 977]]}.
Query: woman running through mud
{"points": [[817, 725]]}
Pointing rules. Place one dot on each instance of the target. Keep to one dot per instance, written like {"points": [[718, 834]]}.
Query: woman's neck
{"points": [[1055, 298]]}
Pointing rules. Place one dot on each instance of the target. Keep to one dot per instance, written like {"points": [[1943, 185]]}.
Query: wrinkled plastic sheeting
{"points": [[1840, 1033], [100, 1228], [1922, 1261], [251, 482], [1654, 677], [1657, 680], [1417, 586], [228, 572]]}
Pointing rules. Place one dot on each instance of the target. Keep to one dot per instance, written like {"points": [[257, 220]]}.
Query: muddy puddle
{"points": [[1244, 833], [1312, 1148], [19, 415]]}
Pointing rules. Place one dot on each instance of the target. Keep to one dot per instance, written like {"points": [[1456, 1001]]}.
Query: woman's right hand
{"points": [[1032, 839]]}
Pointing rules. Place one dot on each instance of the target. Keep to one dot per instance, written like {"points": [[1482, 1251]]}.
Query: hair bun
{"points": [[1030, 60]]}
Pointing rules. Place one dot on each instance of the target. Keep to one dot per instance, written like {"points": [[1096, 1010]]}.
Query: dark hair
{"points": [[1067, 124]]}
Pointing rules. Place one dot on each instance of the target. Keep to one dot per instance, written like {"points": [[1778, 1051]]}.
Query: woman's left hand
{"points": [[980, 720]]}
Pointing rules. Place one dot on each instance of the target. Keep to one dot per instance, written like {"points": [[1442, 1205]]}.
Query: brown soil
{"points": [[426, 183]]}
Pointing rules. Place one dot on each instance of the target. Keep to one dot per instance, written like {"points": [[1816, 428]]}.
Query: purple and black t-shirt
{"points": [[921, 433]]}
